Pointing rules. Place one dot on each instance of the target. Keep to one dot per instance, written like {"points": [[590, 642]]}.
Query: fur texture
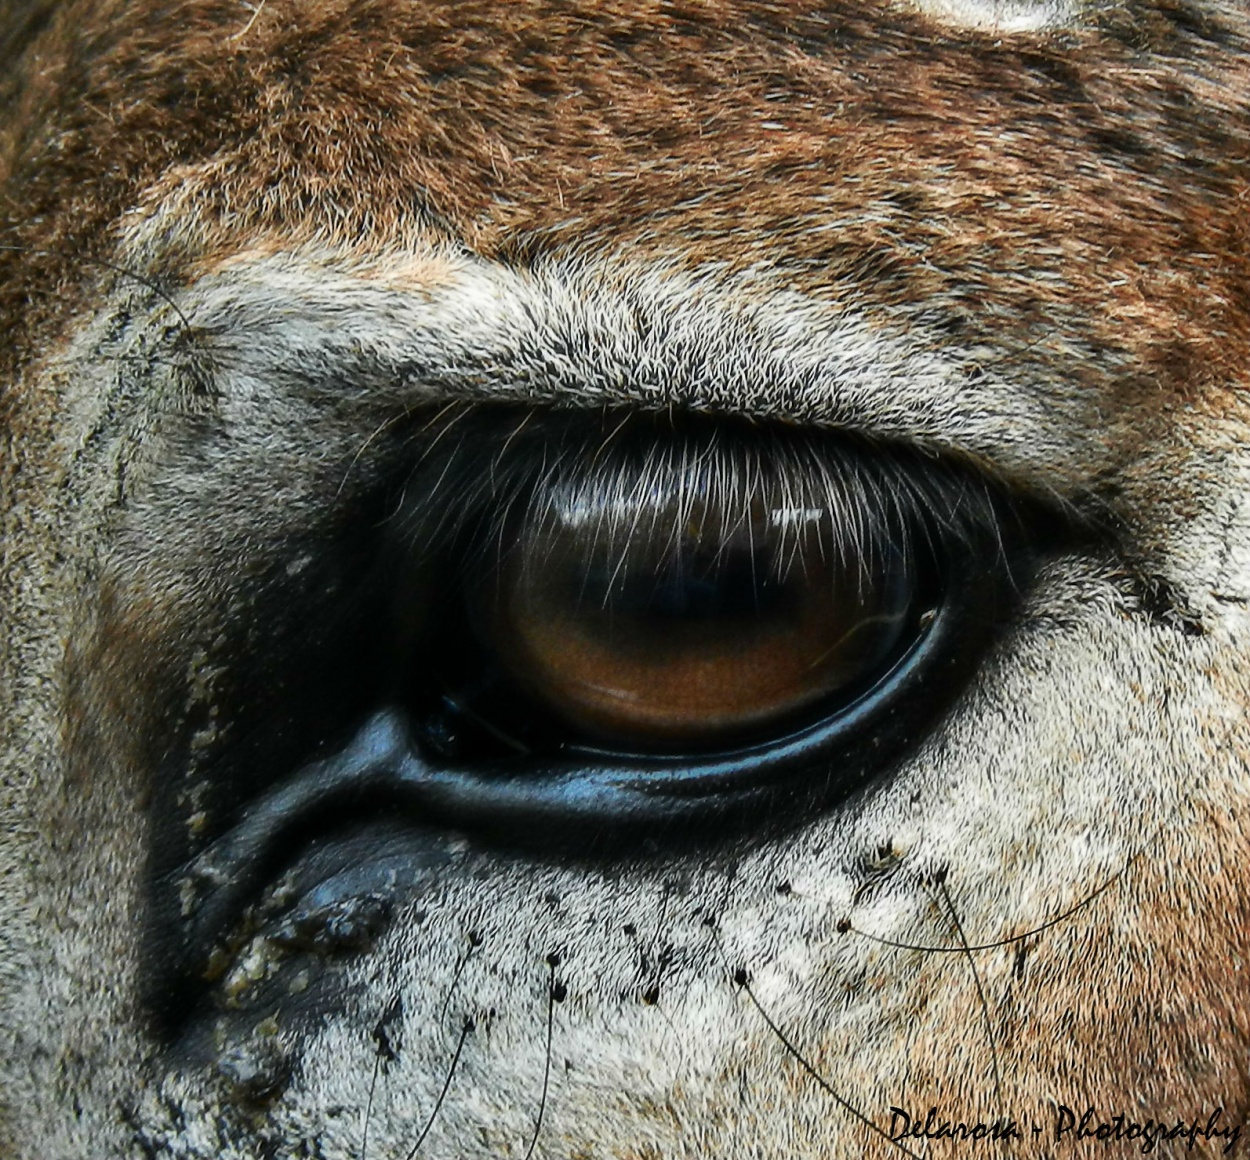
{"points": [[249, 253]]}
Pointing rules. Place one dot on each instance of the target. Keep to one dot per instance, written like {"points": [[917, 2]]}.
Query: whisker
{"points": [[465, 1029], [383, 1050], [845, 926], [248, 26], [373, 1084], [475, 941], [501, 456], [940, 881], [743, 980], [437, 418], [388, 422], [459, 410], [553, 996], [116, 268]]}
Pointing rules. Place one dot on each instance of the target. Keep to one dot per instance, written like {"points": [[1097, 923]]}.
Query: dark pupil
{"points": [[697, 587]]}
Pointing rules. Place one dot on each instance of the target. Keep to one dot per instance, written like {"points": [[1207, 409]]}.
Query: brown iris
{"points": [[693, 620]]}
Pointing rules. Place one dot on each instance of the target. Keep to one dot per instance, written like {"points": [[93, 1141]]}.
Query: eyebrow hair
{"points": [[1005, 17], [607, 333]]}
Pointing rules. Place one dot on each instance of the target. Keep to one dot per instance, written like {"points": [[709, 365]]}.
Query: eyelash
{"points": [[483, 472]]}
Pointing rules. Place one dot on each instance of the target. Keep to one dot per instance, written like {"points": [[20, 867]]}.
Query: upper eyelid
{"points": [[498, 464], [384, 341]]}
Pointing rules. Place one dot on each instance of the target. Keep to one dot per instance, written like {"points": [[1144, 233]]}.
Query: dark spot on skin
{"points": [[559, 992], [630, 929], [843, 925], [875, 869], [1164, 606], [553, 960], [1017, 967], [742, 977], [387, 1046], [864, 891], [475, 939], [784, 889]]}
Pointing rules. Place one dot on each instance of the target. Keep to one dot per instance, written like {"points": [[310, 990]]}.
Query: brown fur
{"points": [[1086, 186]]}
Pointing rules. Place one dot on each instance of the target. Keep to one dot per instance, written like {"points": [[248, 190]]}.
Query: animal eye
{"points": [[693, 603], [682, 589], [586, 635], [692, 628]]}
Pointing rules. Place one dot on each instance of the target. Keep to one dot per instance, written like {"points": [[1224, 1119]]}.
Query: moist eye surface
{"points": [[692, 602], [679, 585], [696, 648]]}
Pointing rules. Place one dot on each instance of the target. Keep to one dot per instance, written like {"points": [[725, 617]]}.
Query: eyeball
{"points": [[696, 616]]}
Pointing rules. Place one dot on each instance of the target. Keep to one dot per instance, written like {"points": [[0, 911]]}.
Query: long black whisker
{"points": [[104, 263], [552, 962], [475, 941], [846, 927], [742, 980], [467, 1027], [373, 1083], [383, 1050], [985, 1006]]}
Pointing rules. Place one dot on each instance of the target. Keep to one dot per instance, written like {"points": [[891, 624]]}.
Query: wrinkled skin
{"points": [[250, 253]]}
